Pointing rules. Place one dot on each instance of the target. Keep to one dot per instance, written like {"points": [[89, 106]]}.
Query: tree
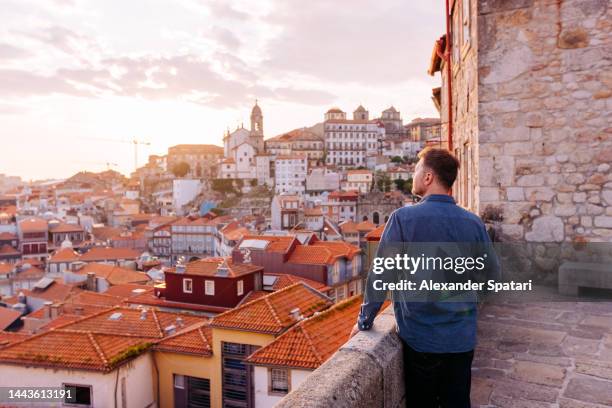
{"points": [[408, 186], [384, 183], [181, 169], [397, 159], [399, 184], [223, 185], [253, 182]]}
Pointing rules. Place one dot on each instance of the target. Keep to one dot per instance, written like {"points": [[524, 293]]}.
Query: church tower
{"points": [[256, 121]]}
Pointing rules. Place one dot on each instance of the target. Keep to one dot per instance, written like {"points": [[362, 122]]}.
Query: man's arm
{"points": [[371, 300]]}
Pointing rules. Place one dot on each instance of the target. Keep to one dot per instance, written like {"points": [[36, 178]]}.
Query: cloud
{"points": [[10, 52], [368, 42], [222, 9], [226, 38]]}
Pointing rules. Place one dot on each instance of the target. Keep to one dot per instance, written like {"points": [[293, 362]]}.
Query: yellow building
{"points": [[205, 363]]}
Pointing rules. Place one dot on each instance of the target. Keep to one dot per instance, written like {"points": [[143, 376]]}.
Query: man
{"points": [[439, 338]]}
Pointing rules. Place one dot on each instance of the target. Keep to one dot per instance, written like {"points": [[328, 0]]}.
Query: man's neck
{"points": [[438, 191]]}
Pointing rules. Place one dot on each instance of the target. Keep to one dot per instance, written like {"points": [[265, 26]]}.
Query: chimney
{"points": [[179, 322], [170, 330], [295, 314], [143, 314], [91, 281], [55, 310], [47, 310], [180, 268], [78, 310], [21, 298]]}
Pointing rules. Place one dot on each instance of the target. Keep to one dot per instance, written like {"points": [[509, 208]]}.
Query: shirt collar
{"points": [[439, 197]]}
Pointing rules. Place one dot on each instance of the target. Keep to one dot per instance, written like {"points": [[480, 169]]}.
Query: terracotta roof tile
{"points": [[196, 339], [375, 234], [271, 313], [8, 338], [210, 267], [114, 275], [7, 317], [128, 290], [312, 341], [8, 250], [103, 254], [285, 280], [75, 350], [33, 224], [64, 255]]}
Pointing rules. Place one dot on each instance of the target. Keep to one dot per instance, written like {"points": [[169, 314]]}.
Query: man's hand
{"points": [[354, 331]]}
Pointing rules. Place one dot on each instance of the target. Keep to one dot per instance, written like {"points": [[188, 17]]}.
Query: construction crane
{"points": [[134, 142]]}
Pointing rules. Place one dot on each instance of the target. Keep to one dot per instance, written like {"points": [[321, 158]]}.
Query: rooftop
{"points": [[272, 313], [311, 341], [211, 267]]}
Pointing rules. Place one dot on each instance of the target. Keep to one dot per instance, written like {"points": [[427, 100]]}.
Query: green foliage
{"points": [[181, 169], [223, 186], [397, 159], [253, 182]]}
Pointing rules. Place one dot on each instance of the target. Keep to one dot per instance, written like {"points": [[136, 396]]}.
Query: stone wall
{"points": [[545, 117], [366, 372]]}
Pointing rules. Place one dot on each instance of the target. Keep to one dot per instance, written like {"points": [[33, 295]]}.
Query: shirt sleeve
{"points": [[371, 301]]}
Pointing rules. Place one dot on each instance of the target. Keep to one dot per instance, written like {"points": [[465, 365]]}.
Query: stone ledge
{"points": [[366, 372]]}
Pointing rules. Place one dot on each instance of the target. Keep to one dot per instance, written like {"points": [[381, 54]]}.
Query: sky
{"points": [[81, 78]]}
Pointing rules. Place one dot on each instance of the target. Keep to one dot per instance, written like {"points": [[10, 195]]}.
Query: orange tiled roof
{"points": [[210, 266], [193, 340], [56, 292], [313, 212], [65, 255], [102, 254], [5, 268], [115, 275], [253, 295], [312, 341], [128, 290], [33, 224], [376, 233], [6, 236], [64, 227], [7, 317], [31, 273], [365, 226], [8, 338], [348, 227], [104, 233], [285, 279], [322, 252], [90, 298], [130, 322], [271, 313], [73, 350], [280, 243]]}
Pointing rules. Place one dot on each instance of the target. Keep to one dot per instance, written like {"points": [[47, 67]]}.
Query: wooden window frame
{"points": [[185, 280], [278, 393], [207, 292]]}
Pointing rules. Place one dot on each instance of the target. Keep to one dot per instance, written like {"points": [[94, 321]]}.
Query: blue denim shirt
{"points": [[434, 327]]}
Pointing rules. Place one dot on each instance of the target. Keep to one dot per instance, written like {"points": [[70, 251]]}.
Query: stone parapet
{"points": [[366, 372]]}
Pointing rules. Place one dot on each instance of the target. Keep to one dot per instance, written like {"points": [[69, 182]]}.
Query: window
{"points": [[279, 381], [80, 395], [340, 293], [187, 285], [209, 287], [240, 287], [179, 381]]}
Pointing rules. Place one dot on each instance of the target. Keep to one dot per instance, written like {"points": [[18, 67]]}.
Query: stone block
{"points": [[591, 390], [547, 228], [603, 221], [515, 194], [538, 373]]}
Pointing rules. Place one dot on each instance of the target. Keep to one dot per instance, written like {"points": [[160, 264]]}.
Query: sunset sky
{"points": [[182, 71]]}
